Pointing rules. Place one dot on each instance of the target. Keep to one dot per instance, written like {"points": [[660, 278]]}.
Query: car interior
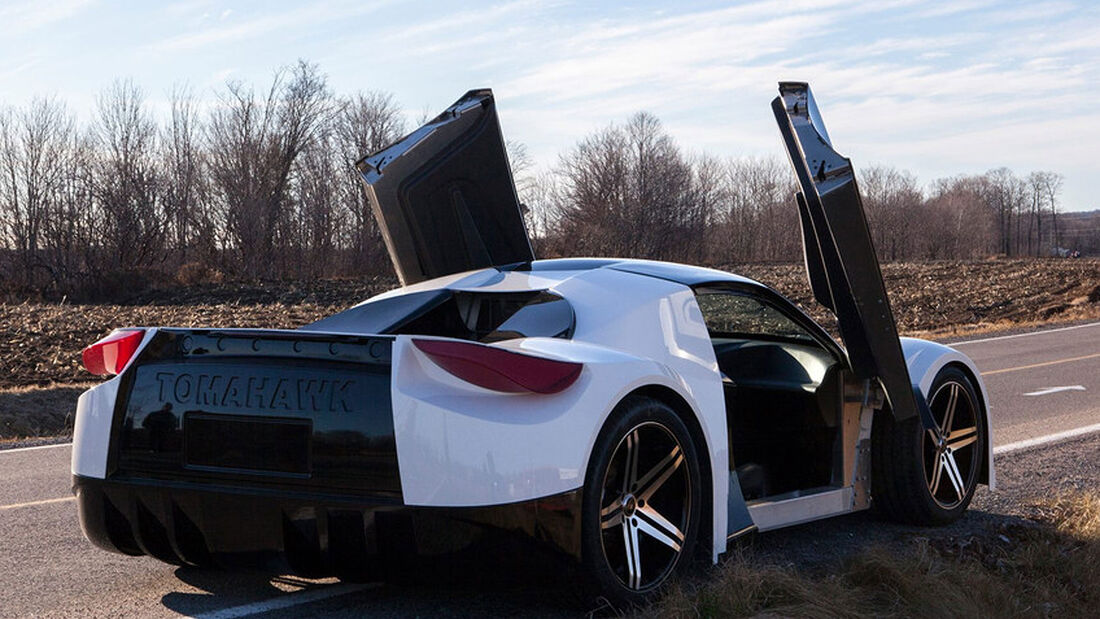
{"points": [[783, 393]]}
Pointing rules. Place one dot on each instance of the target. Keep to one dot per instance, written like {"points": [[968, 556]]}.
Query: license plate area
{"points": [[246, 444]]}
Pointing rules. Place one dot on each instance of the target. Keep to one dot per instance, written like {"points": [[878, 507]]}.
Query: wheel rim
{"points": [[951, 455], [645, 506]]}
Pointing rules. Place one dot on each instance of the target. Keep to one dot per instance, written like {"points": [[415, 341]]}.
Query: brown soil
{"points": [[40, 343], [949, 298]]}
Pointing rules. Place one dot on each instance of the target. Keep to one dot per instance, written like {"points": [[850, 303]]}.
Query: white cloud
{"points": [[937, 95], [18, 18], [265, 24]]}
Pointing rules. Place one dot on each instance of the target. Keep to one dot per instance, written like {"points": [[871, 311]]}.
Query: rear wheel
{"points": [[642, 502], [928, 476]]}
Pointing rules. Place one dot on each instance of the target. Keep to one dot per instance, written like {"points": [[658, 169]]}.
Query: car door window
{"points": [[736, 315]]}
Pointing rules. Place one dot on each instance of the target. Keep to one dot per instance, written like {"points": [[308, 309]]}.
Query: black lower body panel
{"points": [[315, 535]]}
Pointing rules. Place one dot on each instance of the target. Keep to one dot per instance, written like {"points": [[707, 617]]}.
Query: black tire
{"points": [[617, 520], [926, 477]]}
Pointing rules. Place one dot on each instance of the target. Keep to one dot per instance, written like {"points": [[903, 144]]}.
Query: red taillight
{"points": [[500, 370], [112, 353]]}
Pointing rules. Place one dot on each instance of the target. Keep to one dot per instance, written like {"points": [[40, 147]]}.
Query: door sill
{"points": [[799, 506]]}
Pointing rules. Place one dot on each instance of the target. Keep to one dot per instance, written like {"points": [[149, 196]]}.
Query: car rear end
{"points": [[238, 442]]}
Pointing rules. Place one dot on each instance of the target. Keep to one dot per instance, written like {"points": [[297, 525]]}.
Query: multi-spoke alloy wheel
{"points": [[928, 475], [951, 455], [646, 506], [642, 501]]}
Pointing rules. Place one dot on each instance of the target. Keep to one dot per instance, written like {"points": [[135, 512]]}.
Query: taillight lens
{"points": [[500, 370], [112, 353]]}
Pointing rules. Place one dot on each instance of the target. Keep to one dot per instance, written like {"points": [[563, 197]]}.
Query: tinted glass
{"points": [[728, 314]]}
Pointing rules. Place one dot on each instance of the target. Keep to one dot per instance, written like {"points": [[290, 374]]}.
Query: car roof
{"points": [[546, 274], [685, 274]]}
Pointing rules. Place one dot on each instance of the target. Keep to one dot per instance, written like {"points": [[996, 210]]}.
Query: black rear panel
{"points": [[227, 442], [264, 410]]}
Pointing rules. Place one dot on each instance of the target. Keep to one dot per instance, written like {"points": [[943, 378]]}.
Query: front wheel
{"points": [[642, 502], [928, 476]]}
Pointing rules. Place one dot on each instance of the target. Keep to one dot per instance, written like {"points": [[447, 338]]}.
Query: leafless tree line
{"points": [[261, 184], [631, 191]]}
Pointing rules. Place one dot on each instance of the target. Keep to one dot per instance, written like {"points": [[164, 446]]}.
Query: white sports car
{"points": [[626, 413]]}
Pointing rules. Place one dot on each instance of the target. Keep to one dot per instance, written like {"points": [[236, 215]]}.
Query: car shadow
{"points": [[521, 582], [525, 583]]}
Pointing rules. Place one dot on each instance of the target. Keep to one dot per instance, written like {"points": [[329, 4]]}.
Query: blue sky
{"points": [[935, 88]]}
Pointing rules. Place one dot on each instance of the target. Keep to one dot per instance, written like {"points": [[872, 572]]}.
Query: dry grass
{"points": [[38, 411], [1050, 568]]}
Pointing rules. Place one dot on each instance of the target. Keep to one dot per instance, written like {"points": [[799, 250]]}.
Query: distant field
{"points": [[40, 343], [943, 299]]}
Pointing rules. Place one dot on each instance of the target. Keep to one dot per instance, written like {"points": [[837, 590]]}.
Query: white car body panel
{"points": [[92, 429], [95, 410], [460, 445]]}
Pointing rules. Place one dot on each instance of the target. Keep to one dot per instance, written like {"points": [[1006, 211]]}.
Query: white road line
{"points": [[1050, 390], [17, 449], [64, 499], [1030, 333], [1043, 440], [284, 601]]}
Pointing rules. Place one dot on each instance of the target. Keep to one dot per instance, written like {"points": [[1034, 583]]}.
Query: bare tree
{"points": [[184, 188], [1051, 189], [894, 206], [1007, 195], [367, 122], [254, 143], [72, 232], [34, 156], [264, 185], [760, 219], [957, 221], [127, 182], [628, 191]]}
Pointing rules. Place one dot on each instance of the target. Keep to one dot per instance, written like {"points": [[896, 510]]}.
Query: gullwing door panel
{"points": [[444, 195], [841, 263]]}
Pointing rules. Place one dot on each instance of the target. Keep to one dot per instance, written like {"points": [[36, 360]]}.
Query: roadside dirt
{"points": [[1027, 549]]}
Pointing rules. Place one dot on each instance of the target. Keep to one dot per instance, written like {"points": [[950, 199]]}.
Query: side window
{"points": [[729, 314]]}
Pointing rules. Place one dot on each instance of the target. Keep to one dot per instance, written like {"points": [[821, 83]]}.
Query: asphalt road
{"points": [[1040, 384]]}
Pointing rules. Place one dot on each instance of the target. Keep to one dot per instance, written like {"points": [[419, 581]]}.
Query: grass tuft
{"points": [[1031, 568]]}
